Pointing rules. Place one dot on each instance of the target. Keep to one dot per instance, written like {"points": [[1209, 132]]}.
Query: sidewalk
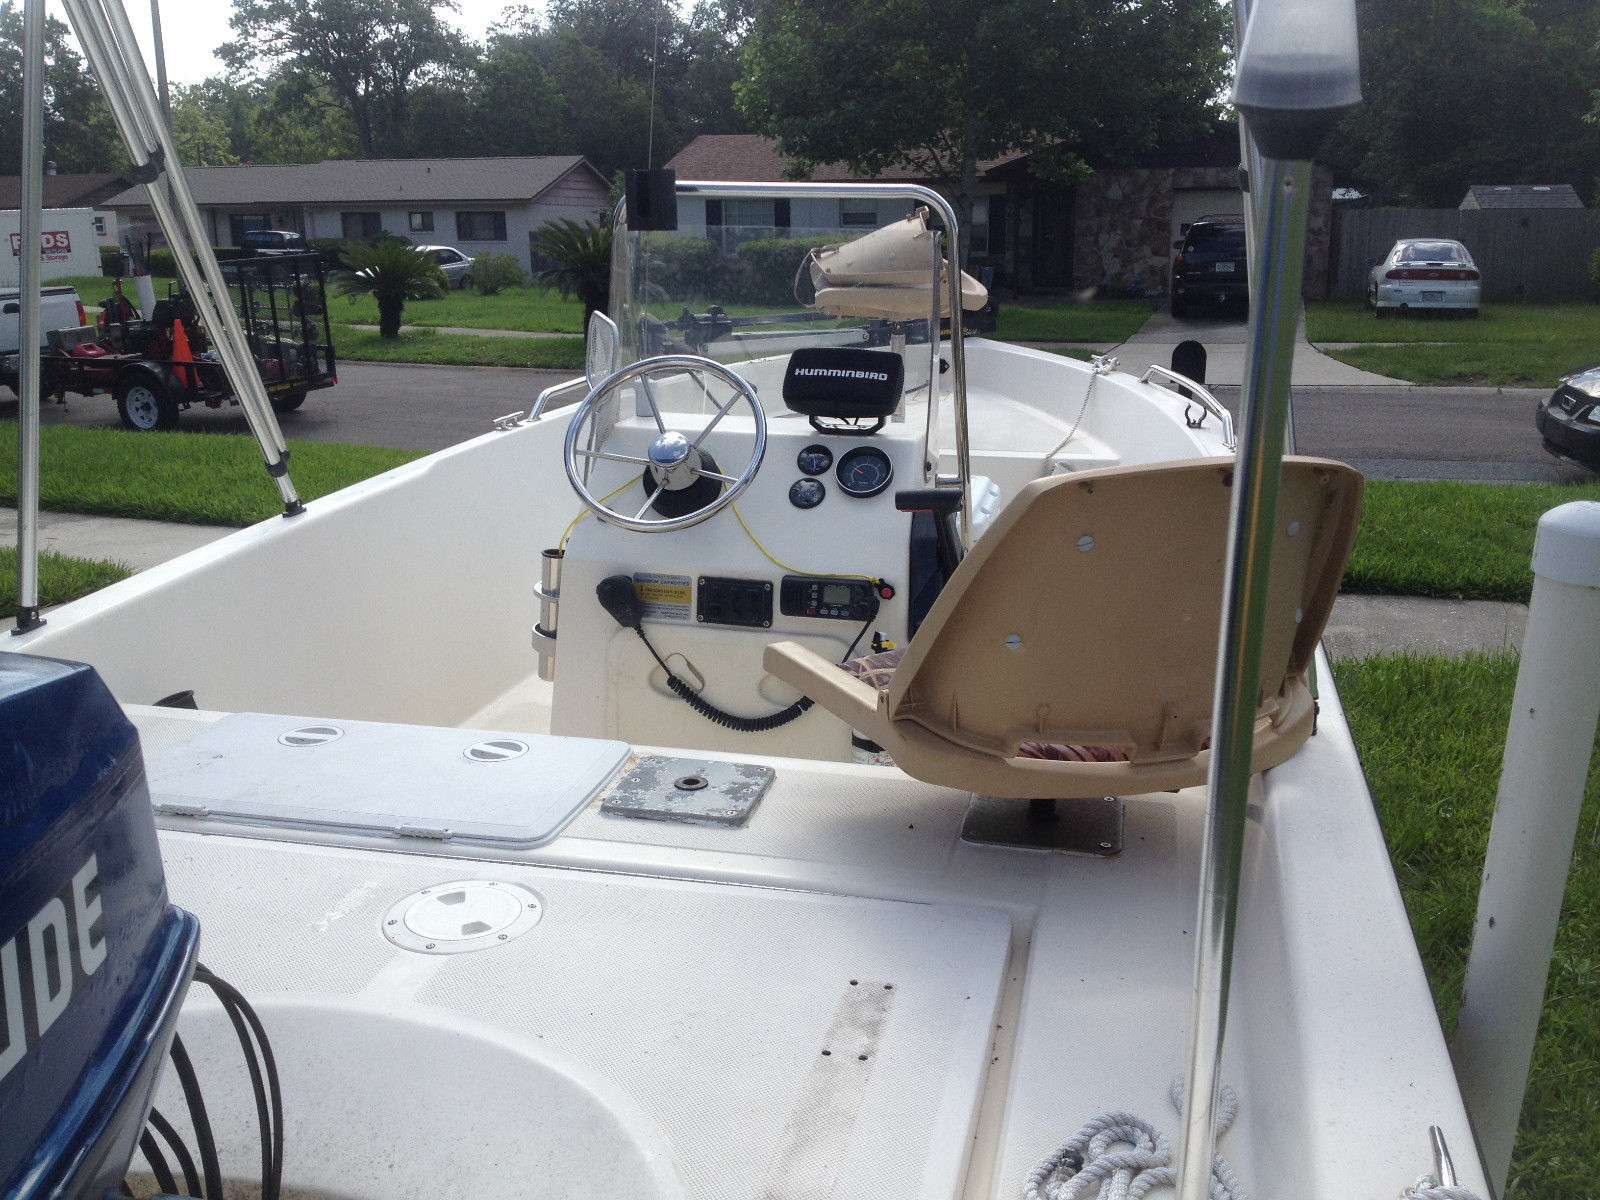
{"points": [[1360, 625]]}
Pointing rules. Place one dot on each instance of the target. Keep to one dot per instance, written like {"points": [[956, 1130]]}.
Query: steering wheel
{"points": [[675, 466]]}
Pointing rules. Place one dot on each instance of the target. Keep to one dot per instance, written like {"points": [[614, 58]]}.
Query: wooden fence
{"points": [[1527, 254]]}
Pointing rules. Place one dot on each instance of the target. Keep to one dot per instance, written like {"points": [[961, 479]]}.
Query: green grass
{"points": [[194, 478], [1108, 321], [1468, 541], [458, 349], [60, 578], [530, 309], [1509, 345], [1431, 732]]}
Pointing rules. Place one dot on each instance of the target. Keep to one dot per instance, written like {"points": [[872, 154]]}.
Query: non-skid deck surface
{"points": [[709, 1006]]}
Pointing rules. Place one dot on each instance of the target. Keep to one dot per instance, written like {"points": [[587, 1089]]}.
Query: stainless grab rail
{"points": [[550, 393], [1206, 400]]}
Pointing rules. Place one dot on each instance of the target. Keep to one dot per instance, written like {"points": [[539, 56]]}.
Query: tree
{"points": [[940, 85], [202, 140], [1459, 92], [78, 133], [369, 54], [391, 272], [580, 261]]}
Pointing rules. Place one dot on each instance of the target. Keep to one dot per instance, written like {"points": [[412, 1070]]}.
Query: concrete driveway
{"points": [[1223, 337]]}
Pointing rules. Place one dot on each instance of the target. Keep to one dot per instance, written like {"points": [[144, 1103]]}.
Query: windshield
{"points": [[738, 281]]}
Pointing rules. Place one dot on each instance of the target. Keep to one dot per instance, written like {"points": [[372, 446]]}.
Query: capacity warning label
{"points": [[665, 597]]}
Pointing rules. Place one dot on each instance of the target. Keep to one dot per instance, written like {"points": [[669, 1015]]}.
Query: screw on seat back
{"points": [[1089, 615]]}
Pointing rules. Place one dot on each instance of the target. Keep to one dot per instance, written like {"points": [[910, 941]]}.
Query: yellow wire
{"points": [[584, 512], [793, 570]]}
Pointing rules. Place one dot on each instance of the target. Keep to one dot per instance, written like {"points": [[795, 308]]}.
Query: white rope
{"points": [[1121, 1156]]}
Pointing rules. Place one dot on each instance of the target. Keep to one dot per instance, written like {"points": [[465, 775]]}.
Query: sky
{"points": [[193, 29]]}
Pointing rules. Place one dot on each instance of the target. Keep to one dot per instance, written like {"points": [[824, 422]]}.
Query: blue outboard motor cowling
{"points": [[94, 960]]}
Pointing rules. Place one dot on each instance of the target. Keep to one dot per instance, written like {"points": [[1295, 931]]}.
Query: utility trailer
{"points": [[161, 364]]}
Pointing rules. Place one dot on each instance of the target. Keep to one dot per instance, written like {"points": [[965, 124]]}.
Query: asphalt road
{"points": [[410, 407], [1398, 432]]}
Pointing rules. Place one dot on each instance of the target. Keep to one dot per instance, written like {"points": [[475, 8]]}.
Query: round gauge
{"points": [[864, 471], [815, 460], [806, 493]]}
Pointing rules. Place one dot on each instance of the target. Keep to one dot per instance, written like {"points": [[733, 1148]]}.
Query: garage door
{"points": [[1190, 204]]}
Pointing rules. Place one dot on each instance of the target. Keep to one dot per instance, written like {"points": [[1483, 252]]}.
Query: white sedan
{"points": [[1425, 273], [457, 267]]}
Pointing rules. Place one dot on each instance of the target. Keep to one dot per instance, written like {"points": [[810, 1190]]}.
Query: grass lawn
{"points": [[514, 308], [1108, 321], [1431, 732], [60, 578], [1468, 541], [195, 478], [1509, 345], [458, 349]]}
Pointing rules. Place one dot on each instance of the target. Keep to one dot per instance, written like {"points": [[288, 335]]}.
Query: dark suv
{"points": [[1210, 269]]}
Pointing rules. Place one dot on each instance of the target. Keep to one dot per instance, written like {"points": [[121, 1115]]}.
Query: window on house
{"points": [[100, 225], [421, 222], [240, 224], [854, 213], [360, 224], [748, 214], [480, 226], [978, 232]]}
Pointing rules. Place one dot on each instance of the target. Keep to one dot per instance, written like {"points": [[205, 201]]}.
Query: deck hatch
{"points": [[382, 780]]}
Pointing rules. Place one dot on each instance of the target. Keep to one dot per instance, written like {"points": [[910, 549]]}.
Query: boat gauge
{"points": [[815, 460], [864, 471], [807, 493]]}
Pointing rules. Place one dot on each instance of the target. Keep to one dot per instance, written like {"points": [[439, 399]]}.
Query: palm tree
{"points": [[580, 255], [393, 272]]}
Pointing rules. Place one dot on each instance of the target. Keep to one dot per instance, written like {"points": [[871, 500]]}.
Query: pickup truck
{"points": [[59, 308]]}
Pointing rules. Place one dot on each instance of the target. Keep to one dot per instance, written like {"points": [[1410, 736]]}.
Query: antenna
{"points": [[655, 53]]}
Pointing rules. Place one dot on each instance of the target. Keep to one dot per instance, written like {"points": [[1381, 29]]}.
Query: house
{"points": [[89, 191], [1113, 230], [1521, 195], [473, 204]]}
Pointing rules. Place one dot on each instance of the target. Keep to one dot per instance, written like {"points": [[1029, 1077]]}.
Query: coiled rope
{"points": [[1121, 1156]]}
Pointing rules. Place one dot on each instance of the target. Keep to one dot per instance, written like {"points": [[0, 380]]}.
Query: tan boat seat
{"points": [[1088, 616]]}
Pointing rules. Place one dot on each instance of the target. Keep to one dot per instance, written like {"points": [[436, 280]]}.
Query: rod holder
{"points": [[549, 593], [1554, 713]]}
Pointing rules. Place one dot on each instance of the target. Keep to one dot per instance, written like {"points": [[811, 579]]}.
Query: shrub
{"points": [[111, 261], [686, 268], [160, 262], [770, 265], [579, 261], [494, 271]]}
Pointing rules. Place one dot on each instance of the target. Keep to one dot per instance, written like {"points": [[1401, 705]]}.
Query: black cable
{"points": [[269, 1102], [165, 1183], [716, 715], [211, 1168], [191, 1177]]}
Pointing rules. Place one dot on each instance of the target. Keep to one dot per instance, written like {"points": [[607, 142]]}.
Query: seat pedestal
{"points": [[1087, 826]]}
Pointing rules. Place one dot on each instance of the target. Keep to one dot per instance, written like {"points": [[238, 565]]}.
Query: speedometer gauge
{"points": [[864, 471]]}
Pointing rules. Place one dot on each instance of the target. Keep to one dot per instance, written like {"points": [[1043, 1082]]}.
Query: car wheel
{"points": [[288, 401], [144, 403], [1180, 309], [1379, 313], [1472, 314], [466, 282]]}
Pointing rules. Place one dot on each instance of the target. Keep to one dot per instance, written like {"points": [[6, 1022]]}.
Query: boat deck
{"points": [[841, 997]]}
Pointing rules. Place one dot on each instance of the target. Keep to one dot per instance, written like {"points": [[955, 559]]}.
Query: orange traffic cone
{"points": [[180, 351]]}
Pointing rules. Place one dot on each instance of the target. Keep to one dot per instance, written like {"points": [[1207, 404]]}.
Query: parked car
{"points": [[1426, 273], [1569, 420], [457, 267], [274, 241], [1211, 269]]}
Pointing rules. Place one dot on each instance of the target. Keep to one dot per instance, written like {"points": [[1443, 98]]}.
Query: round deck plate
{"points": [[462, 915]]}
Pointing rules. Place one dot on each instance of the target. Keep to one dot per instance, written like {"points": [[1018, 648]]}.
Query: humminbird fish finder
{"points": [[840, 386]]}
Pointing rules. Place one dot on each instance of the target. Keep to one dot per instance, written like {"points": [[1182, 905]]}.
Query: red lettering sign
{"points": [[55, 242]]}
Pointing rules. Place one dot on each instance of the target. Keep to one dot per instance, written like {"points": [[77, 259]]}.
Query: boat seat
{"points": [[1089, 616]]}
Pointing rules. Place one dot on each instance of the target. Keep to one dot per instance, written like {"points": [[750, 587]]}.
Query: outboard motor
{"points": [[94, 960]]}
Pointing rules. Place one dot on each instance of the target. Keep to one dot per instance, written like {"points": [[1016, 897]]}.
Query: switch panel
{"points": [[724, 601]]}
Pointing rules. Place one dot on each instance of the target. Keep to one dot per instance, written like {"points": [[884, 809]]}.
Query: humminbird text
{"points": [[839, 373]]}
